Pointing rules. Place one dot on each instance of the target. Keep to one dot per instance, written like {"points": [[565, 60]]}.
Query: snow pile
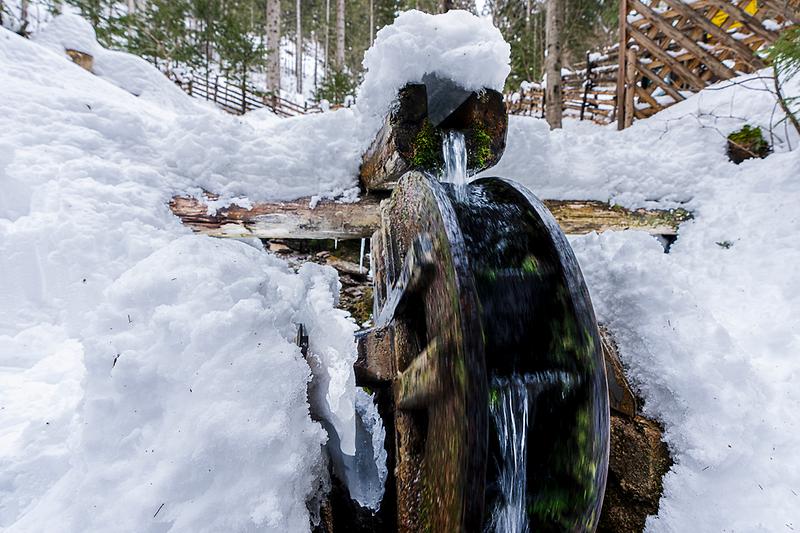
{"points": [[149, 379], [708, 331], [455, 45], [198, 145]]}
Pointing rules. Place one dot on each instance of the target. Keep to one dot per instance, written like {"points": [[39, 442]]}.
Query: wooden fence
{"points": [[589, 91], [239, 100], [672, 48]]}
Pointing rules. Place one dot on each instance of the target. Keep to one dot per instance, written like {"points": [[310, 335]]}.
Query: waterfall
{"points": [[454, 149], [509, 411]]}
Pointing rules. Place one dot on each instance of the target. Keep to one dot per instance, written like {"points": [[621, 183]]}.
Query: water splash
{"points": [[454, 150], [509, 410]]}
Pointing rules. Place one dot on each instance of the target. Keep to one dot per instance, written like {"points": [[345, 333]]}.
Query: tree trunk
{"points": [[445, 6], [552, 63], [340, 18], [327, 35], [371, 22], [23, 17], [274, 46], [298, 49]]}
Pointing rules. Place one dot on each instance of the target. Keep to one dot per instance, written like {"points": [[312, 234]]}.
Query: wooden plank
{"points": [[329, 220], [657, 80], [630, 85], [678, 68], [782, 8], [623, 46], [711, 62], [750, 22], [744, 53], [644, 95]]}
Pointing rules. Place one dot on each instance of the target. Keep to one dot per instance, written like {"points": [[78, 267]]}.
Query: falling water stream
{"points": [[454, 149], [509, 410]]}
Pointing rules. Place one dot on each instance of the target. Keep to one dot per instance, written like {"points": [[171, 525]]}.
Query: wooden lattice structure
{"points": [[672, 48]]}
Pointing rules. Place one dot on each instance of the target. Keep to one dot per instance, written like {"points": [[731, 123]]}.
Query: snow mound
{"points": [[149, 379], [455, 45], [128, 72]]}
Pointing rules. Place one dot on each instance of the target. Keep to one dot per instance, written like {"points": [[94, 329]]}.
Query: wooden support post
{"points": [[623, 56], [630, 85]]}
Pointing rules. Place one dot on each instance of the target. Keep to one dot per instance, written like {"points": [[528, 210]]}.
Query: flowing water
{"points": [[509, 410], [454, 149]]}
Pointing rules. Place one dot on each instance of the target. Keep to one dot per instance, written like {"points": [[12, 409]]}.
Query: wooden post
{"points": [[552, 64], [586, 83], [623, 56], [630, 85]]}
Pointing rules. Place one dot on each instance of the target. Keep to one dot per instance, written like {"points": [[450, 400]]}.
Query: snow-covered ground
{"points": [[142, 365]]}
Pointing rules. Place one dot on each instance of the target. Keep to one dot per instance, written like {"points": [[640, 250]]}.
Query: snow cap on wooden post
{"points": [[424, 60]]}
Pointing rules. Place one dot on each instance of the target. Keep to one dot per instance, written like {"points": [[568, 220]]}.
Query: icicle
{"points": [[335, 244], [361, 256]]}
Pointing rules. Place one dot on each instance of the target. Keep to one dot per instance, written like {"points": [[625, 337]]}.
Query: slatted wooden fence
{"points": [[238, 100], [589, 91], [673, 48]]}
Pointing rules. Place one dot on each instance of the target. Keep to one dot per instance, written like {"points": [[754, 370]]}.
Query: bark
{"points": [[552, 63], [298, 49], [327, 35], [340, 21], [371, 22], [330, 220], [274, 46]]}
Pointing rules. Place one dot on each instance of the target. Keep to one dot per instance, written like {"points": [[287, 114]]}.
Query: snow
{"points": [[148, 376], [142, 365], [708, 331], [455, 45]]}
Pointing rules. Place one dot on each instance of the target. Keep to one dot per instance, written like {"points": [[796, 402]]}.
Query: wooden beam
{"points": [[331, 220], [656, 79], [750, 22], [622, 57], [711, 62], [744, 53], [676, 66]]}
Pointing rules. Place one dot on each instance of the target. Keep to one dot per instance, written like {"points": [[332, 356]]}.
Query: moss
{"points": [[530, 265], [482, 146], [747, 143], [427, 148]]}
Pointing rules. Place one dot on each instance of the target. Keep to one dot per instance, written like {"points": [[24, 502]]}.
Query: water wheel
{"points": [[486, 337]]}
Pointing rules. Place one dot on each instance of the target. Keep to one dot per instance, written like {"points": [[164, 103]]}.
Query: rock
{"points": [[638, 461], [323, 254]]}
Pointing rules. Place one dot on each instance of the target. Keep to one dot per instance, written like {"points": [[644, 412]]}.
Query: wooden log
{"points": [[295, 219], [409, 141], [329, 220]]}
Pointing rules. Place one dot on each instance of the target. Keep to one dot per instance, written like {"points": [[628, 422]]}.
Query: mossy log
{"points": [[411, 140], [296, 219]]}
